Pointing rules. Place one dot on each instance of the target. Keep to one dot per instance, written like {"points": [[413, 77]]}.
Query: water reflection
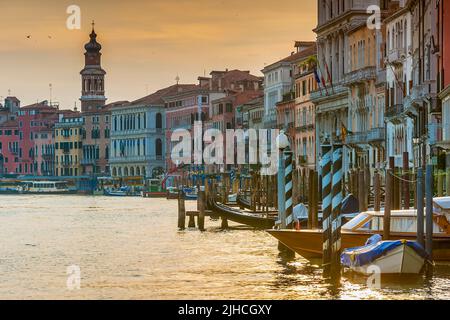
{"points": [[131, 249]]}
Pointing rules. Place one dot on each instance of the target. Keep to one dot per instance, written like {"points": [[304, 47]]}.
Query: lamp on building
{"points": [[282, 141]]}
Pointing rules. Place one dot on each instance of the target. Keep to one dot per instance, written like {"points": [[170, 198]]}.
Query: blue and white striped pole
{"points": [[336, 211], [326, 205], [288, 207]]}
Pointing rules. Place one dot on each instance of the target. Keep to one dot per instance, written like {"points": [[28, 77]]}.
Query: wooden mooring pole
{"points": [[406, 177], [388, 203], [377, 191], [201, 199], [420, 207], [429, 184], [181, 211]]}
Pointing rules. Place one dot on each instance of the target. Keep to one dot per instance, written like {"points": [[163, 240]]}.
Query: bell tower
{"points": [[92, 76]]}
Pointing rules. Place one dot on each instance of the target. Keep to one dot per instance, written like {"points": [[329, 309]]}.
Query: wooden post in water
{"points": [[447, 179], [388, 203], [181, 211], [377, 191], [440, 183], [310, 199], [429, 183], [201, 209], [326, 206], [406, 178], [420, 207], [315, 220], [362, 196]]}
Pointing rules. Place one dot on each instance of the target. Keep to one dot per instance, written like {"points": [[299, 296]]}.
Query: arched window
{"points": [[158, 147], [158, 121], [120, 172], [114, 172], [125, 172], [138, 171], [132, 171]]}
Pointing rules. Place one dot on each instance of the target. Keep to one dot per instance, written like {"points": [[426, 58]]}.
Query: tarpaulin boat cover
{"points": [[374, 249], [350, 205]]}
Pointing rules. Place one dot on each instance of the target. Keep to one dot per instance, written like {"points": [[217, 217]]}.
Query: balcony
{"points": [[439, 135], [305, 127], [415, 98], [394, 111], [376, 135], [360, 76], [396, 56], [320, 95], [357, 138], [88, 162]]}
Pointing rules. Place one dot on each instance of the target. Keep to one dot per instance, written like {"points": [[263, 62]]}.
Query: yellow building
{"points": [[69, 134]]}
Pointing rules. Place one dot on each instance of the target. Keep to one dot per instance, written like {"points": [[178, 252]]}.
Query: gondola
{"points": [[243, 203], [246, 218]]}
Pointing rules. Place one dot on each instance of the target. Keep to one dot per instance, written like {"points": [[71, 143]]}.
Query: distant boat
{"points": [[122, 192], [190, 193], [389, 257], [43, 187]]}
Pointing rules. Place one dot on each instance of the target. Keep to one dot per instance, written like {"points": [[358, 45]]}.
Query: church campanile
{"points": [[92, 76]]}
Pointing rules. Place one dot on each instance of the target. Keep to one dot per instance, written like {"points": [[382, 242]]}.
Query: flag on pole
{"points": [[316, 76], [330, 77]]}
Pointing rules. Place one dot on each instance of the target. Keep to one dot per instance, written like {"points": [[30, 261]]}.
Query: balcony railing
{"points": [[357, 138], [394, 110], [396, 56], [88, 162], [360, 75], [376, 135]]}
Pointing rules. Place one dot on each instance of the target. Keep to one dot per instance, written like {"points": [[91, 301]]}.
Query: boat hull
{"points": [[248, 219], [401, 260], [308, 243]]}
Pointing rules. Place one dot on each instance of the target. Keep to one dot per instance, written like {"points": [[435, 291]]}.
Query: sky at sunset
{"points": [[146, 43]]}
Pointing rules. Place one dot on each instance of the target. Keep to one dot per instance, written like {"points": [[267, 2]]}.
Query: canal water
{"points": [[130, 248]]}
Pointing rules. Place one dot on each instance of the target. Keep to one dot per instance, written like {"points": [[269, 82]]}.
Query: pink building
{"points": [[9, 147], [182, 108], [32, 119], [44, 152]]}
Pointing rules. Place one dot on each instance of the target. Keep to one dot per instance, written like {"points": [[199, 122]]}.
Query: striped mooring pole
{"points": [[336, 212], [288, 155], [326, 206]]}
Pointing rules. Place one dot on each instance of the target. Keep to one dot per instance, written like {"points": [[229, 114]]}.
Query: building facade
{"points": [[32, 119], [69, 135], [9, 147], [96, 143], [365, 80], [278, 81], [138, 136]]}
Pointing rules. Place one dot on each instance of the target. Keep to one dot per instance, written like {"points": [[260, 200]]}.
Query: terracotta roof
{"points": [[13, 99], [297, 56], [40, 105], [157, 97], [9, 123], [240, 98]]}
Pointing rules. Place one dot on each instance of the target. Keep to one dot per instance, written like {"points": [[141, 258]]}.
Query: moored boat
{"points": [[386, 257], [246, 218], [43, 187], [355, 233]]}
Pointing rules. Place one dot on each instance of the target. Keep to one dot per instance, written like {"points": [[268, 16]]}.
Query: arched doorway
{"points": [[138, 171], [125, 172], [114, 172], [132, 171]]}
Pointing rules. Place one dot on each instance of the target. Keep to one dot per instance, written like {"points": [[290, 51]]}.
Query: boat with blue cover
{"points": [[385, 257]]}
